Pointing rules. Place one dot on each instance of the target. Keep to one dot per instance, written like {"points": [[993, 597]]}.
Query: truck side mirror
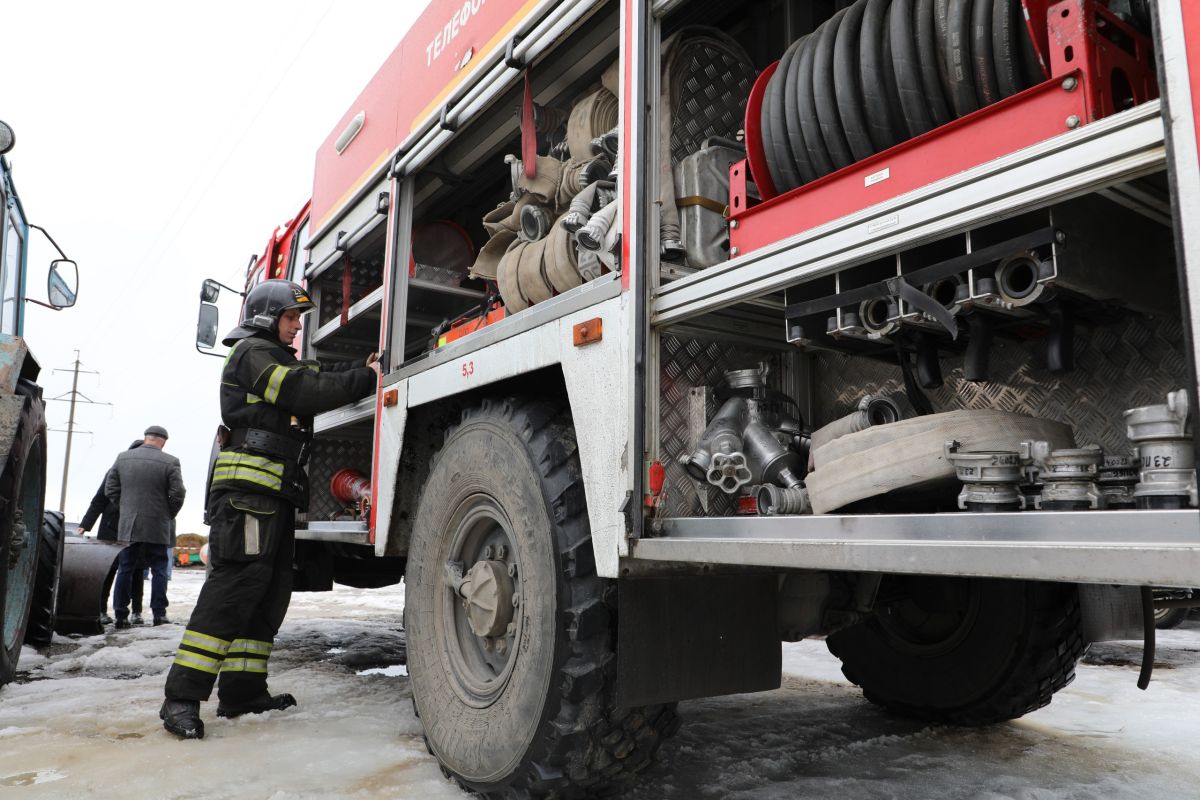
{"points": [[206, 327], [209, 291], [62, 285], [7, 138]]}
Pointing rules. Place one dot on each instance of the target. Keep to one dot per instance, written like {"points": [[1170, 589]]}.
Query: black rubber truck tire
{"points": [[907, 65], [1007, 25], [884, 129], [545, 724], [846, 85], [964, 651], [22, 485], [810, 124], [40, 629], [1170, 617], [825, 96], [958, 58], [791, 105], [986, 88], [928, 53], [788, 175]]}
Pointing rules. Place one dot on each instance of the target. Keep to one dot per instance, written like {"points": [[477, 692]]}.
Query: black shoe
{"points": [[276, 702], [105, 619], [161, 620], [123, 623], [136, 619], [182, 718]]}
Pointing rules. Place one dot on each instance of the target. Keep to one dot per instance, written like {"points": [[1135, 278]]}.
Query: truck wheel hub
{"points": [[488, 592]]}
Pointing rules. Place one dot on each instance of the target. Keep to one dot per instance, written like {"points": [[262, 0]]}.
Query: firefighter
{"points": [[268, 400]]}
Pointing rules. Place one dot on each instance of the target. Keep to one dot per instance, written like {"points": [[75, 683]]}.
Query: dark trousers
{"points": [[130, 563], [242, 603]]}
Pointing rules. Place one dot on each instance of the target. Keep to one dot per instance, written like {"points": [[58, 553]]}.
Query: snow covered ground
{"points": [[83, 722]]}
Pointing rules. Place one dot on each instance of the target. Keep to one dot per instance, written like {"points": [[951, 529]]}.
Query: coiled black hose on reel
{"points": [[883, 71]]}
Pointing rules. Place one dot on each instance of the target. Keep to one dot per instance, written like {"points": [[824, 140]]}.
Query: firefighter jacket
{"points": [[268, 400]]}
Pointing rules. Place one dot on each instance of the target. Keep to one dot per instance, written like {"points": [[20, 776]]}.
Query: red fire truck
{"points": [[711, 325]]}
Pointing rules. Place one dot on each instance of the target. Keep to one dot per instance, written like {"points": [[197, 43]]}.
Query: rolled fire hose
{"points": [[592, 116], [535, 222], [544, 186], [531, 282], [506, 277], [350, 486], [487, 263], [560, 262]]}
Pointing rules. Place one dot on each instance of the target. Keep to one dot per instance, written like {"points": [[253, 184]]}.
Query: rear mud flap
{"points": [[88, 567]]}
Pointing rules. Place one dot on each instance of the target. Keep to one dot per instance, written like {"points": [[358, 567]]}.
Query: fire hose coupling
{"points": [[1161, 434], [871, 410], [1118, 477], [1069, 480], [991, 478], [749, 441]]}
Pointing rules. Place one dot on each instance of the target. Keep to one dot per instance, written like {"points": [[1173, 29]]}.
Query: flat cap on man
{"points": [[156, 430]]}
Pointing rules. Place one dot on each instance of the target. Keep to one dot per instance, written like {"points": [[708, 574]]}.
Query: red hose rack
{"points": [[1098, 65]]}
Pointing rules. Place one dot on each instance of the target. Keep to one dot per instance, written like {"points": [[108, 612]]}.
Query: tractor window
{"points": [[10, 283]]}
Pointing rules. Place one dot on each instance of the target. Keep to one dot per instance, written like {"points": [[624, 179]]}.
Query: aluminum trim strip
{"points": [[1119, 148], [589, 294]]}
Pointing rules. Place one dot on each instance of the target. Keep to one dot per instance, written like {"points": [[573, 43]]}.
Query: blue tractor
{"points": [[31, 540]]}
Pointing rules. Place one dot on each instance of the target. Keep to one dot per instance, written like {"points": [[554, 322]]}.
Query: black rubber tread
{"points": [[824, 94], [1006, 56], [986, 87], [941, 11], [907, 65], [1170, 618], [958, 58], [1031, 66], [28, 446], [1022, 648], [791, 105], [789, 174], [891, 88], [846, 85], [584, 744], [810, 125], [930, 57], [884, 127], [40, 629]]}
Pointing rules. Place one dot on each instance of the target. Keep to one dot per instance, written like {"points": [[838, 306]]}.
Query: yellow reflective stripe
{"points": [[247, 474], [244, 665], [205, 642], [252, 399], [195, 661], [250, 646], [274, 383], [229, 355], [232, 458]]}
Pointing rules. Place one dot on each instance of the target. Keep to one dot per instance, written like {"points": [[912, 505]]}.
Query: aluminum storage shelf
{"points": [[346, 415], [362, 321], [1097, 156], [1130, 547]]}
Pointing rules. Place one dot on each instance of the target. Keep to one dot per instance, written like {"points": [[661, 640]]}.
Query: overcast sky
{"points": [[161, 143]]}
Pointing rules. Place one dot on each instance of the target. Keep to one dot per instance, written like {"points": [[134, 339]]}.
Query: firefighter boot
{"points": [[267, 702], [182, 718]]}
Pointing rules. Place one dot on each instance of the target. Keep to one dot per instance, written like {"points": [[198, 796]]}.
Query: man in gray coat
{"points": [[146, 485]]}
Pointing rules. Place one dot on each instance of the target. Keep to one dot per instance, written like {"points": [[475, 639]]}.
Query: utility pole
{"points": [[74, 394]]}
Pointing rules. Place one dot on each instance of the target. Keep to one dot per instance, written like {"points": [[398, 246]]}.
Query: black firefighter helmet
{"points": [[264, 303]]}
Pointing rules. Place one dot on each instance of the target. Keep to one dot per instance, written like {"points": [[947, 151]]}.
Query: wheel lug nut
{"points": [[501, 551], [512, 570], [501, 646], [516, 599], [487, 553], [487, 644], [512, 629]]}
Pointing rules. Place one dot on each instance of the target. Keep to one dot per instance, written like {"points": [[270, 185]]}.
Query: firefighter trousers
{"points": [[242, 603]]}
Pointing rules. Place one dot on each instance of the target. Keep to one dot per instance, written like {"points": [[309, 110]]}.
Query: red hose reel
{"points": [[350, 487]]}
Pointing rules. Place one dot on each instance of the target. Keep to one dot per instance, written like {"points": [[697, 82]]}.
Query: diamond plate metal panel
{"points": [[710, 82], [365, 277], [328, 456], [1131, 363]]}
